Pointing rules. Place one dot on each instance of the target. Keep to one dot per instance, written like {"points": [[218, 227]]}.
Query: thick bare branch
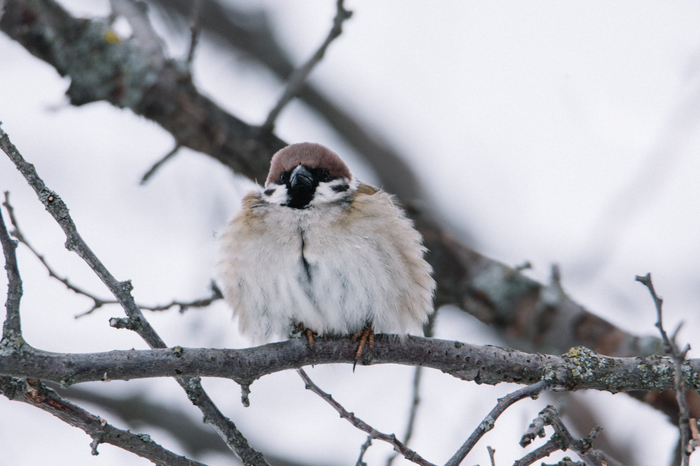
{"points": [[129, 75], [138, 410], [36, 394], [580, 369]]}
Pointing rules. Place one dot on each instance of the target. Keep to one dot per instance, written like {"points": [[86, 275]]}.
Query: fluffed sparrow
{"points": [[318, 250]]}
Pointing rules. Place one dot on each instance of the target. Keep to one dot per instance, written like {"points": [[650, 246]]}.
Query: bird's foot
{"points": [[365, 335], [300, 329]]}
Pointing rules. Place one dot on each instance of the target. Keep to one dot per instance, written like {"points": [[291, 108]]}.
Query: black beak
{"points": [[301, 177]]}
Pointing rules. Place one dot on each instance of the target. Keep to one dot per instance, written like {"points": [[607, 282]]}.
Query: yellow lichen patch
{"points": [[573, 352], [111, 37]]}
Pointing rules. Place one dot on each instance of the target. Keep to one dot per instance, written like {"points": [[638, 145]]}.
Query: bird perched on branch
{"points": [[316, 251]]}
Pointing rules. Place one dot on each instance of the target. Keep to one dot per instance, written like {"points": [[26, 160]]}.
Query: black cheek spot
{"points": [[340, 188]]}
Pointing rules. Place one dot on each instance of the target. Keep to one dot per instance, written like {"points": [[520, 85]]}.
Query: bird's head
{"points": [[307, 174]]}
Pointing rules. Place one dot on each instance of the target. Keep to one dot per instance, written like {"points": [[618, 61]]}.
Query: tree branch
{"points": [[298, 79], [132, 76], [363, 450], [11, 329], [97, 301], [33, 392], [533, 391], [137, 410], [580, 369], [195, 30], [678, 356], [122, 291], [154, 168], [363, 426], [561, 440]]}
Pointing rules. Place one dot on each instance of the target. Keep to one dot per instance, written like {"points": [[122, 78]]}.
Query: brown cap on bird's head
{"points": [[310, 155]]}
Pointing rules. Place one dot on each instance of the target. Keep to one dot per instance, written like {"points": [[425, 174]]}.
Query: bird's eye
{"points": [[325, 175]]}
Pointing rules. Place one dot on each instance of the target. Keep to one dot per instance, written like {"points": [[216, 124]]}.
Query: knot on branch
{"points": [[194, 390], [178, 351], [126, 286], [245, 391], [96, 440], [12, 342], [10, 386], [582, 366], [129, 323]]}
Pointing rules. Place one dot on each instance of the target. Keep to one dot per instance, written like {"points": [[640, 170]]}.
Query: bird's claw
{"points": [[364, 335], [300, 329], [309, 336]]}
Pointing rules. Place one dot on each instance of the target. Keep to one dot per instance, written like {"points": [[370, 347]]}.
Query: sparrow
{"points": [[318, 251]]}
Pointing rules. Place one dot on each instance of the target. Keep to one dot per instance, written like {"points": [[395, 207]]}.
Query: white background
{"points": [[552, 132]]}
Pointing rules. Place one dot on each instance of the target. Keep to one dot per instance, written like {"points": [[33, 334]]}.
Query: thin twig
{"points": [[363, 426], [414, 405], [542, 452], [298, 78], [678, 356], [182, 305], [12, 328], [122, 291], [195, 30], [527, 265], [17, 233], [414, 410], [429, 332], [216, 295], [492, 455], [151, 171], [35, 393], [561, 440], [533, 391], [97, 301], [363, 450]]}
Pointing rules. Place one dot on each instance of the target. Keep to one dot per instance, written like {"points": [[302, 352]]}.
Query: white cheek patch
{"points": [[325, 192], [278, 195]]}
